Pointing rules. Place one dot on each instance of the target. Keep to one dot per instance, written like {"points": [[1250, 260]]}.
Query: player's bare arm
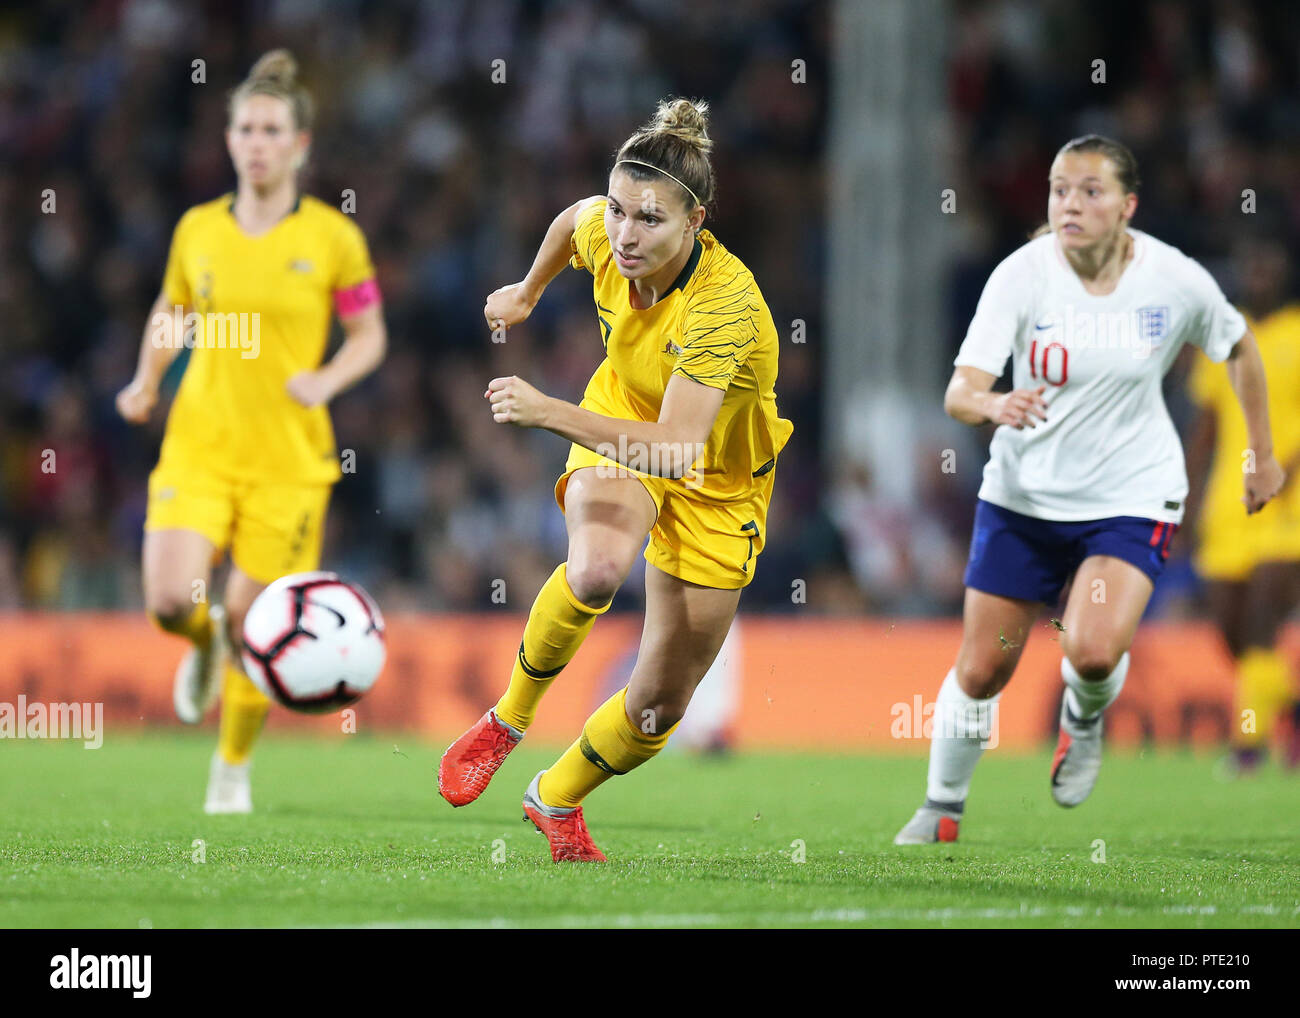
{"points": [[158, 348], [364, 345], [970, 399], [1246, 372], [671, 442], [512, 304], [1200, 455]]}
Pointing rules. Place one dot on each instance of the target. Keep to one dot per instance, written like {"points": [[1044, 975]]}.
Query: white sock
{"points": [[1087, 698], [961, 728]]}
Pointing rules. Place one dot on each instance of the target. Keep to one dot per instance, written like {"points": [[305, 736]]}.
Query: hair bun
{"points": [[673, 143], [277, 65], [686, 119]]}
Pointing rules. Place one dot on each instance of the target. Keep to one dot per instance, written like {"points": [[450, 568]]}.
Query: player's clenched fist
{"points": [[514, 401], [508, 306], [135, 401], [1263, 483], [1019, 407]]}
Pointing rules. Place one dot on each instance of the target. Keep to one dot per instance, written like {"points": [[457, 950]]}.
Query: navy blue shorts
{"points": [[1020, 556]]}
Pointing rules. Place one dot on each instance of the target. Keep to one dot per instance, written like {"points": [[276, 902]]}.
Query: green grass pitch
{"points": [[351, 832]]}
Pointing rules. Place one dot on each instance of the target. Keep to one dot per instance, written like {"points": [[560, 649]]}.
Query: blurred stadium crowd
{"points": [[456, 179]]}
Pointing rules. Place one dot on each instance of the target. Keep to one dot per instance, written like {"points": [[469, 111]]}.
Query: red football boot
{"points": [[565, 830], [470, 761]]}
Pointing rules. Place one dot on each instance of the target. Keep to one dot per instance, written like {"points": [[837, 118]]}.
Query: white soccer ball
{"points": [[313, 642]]}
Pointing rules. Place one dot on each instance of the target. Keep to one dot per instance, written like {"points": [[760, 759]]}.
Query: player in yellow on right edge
{"points": [[1251, 568], [677, 437]]}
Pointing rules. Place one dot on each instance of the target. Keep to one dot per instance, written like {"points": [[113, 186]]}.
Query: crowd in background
{"points": [[456, 175]]}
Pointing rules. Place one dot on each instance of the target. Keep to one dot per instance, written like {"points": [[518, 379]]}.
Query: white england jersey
{"points": [[1108, 447]]}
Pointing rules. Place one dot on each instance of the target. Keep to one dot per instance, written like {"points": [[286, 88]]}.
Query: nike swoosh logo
{"points": [[1040, 328]]}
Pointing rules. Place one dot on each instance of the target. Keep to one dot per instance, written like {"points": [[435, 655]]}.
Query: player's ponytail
{"points": [[674, 144], [276, 74]]}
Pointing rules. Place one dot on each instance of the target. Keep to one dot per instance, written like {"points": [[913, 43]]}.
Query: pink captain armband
{"points": [[356, 298]]}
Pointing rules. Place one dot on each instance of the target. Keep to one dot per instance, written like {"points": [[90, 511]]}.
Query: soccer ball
{"points": [[313, 642]]}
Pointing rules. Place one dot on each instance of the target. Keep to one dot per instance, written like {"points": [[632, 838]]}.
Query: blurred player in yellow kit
{"points": [[1252, 566], [677, 438], [248, 457]]}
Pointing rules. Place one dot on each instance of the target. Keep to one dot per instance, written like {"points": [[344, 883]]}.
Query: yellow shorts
{"points": [[714, 544], [1227, 559], [271, 529], [1230, 549]]}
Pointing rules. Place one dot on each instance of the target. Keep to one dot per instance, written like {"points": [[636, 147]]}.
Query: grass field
{"points": [[352, 832]]}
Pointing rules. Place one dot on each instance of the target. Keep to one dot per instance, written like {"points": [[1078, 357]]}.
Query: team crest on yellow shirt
{"points": [[672, 348], [300, 265]]}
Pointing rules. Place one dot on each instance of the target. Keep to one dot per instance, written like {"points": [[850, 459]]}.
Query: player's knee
{"points": [[595, 579], [1094, 659], [982, 679], [658, 717], [169, 609]]}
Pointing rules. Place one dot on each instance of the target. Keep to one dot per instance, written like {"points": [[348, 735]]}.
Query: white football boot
{"points": [[229, 788], [198, 677], [929, 825], [1078, 757]]}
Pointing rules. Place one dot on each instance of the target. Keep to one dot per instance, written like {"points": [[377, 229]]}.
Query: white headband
{"points": [[664, 172]]}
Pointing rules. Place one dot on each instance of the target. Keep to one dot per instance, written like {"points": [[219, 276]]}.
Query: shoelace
{"points": [[489, 742]]}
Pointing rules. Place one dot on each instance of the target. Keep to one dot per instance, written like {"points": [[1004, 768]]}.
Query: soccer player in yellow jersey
{"points": [[677, 437], [248, 456], [1252, 566]]}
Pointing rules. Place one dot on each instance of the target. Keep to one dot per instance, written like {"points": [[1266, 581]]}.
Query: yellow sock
{"points": [[1264, 690], [610, 744], [243, 709], [557, 625], [196, 626]]}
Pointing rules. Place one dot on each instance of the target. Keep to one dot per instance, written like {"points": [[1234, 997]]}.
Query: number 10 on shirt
{"points": [[1048, 363]]}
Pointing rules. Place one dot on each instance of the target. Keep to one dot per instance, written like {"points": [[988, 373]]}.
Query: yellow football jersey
{"points": [[1223, 518], [263, 307], [713, 327]]}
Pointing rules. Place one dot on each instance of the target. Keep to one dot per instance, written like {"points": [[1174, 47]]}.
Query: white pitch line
{"points": [[844, 915]]}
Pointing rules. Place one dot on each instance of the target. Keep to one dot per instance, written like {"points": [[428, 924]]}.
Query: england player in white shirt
{"points": [[1085, 473]]}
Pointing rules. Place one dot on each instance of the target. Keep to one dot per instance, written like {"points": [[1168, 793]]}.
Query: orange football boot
{"points": [[469, 763], [565, 830]]}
